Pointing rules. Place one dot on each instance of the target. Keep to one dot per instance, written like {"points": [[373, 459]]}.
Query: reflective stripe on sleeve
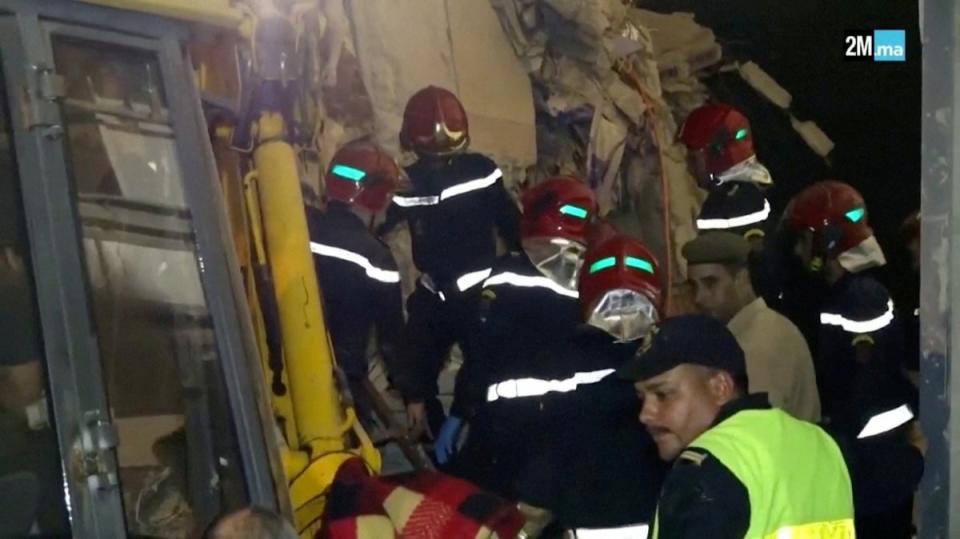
{"points": [[859, 326], [450, 192], [530, 281], [535, 387], [735, 222], [886, 421], [379, 274], [469, 280]]}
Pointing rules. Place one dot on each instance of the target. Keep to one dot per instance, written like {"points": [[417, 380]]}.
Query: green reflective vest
{"points": [[794, 473]]}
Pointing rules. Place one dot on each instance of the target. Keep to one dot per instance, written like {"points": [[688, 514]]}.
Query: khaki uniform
{"points": [[778, 360]]}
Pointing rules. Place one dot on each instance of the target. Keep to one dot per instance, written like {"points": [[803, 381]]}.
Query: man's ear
{"points": [[722, 387], [742, 278]]}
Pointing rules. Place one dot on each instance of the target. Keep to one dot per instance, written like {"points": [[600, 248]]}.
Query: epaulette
{"points": [[691, 456]]}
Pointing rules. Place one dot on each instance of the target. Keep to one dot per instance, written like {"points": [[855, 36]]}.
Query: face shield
{"points": [[557, 258], [625, 314]]}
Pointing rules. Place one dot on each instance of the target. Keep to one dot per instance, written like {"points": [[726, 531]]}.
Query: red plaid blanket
{"points": [[427, 505]]}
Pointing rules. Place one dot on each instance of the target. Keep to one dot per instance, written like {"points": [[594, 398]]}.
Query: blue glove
{"points": [[446, 443]]}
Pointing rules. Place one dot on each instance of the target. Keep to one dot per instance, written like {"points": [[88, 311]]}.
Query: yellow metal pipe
{"points": [[319, 414], [281, 404]]}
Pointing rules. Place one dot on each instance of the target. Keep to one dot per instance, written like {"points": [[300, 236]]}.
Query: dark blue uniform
{"points": [[736, 207], [595, 465], [360, 286], [522, 313], [858, 322], [454, 210], [859, 376]]}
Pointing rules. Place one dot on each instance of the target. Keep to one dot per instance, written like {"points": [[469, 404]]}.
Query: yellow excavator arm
{"points": [[317, 429]]}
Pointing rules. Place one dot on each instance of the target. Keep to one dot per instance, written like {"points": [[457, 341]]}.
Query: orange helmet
{"points": [[434, 122], [364, 174]]}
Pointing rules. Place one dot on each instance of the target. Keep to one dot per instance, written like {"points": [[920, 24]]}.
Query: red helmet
{"points": [[362, 173], [434, 122], [721, 134], [558, 207], [836, 214], [620, 263]]}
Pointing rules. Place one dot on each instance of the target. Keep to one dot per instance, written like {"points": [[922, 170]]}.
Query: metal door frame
{"points": [[54, 228], [940, 291], [70, 347]]}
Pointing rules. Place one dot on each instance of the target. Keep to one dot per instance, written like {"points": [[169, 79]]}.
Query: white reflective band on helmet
{"points": [[382, 275], [863, 326], [636, 531], [469, 280], [534, 387], [515, 279], [734, 222], [450, 192], [886, 421]]}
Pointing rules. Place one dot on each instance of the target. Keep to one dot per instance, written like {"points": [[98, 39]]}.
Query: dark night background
{"points": [[870, 110]]}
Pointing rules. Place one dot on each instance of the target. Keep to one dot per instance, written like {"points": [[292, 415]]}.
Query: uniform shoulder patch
{"points": [[692, 457]]}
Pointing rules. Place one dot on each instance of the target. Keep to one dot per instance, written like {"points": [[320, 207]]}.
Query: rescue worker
{"points": [[858, 369], [529, 302], [719, 141], [742, 469], [778, 359], [457, 202], [863, 390], [597, 468], [358, 276]]}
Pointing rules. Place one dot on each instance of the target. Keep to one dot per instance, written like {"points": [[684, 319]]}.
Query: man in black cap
{"points": [[743, 469]]}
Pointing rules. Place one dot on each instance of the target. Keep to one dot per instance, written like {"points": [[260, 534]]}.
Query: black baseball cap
{"points": [[692, 339]]}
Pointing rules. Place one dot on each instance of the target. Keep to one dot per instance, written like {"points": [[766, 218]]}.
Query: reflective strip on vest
{"points": [[635, 531], [835, 529], [735, 222], [534, 387], [886, 421], [379, 274], [531, 281], [862, 326], [469, 280], [450, 192]]}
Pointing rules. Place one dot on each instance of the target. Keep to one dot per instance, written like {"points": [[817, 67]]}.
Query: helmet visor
{"points": [[557, 258], [627, 315]]}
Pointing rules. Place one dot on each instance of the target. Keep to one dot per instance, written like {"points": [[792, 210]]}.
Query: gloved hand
{"points": [[446, 443]]}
